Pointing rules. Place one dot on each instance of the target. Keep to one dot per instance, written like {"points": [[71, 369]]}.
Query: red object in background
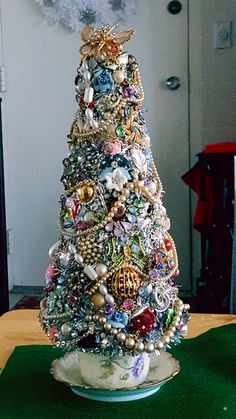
{"points": [[205, 205], [220, 148]]}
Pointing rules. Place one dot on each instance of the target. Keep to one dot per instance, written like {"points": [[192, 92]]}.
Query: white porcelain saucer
{"points": [[162, 369]]}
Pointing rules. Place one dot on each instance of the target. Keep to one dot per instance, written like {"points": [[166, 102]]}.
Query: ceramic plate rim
{"points": [[142, 386]]}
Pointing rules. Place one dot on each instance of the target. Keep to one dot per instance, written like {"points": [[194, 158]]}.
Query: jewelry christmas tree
{"points": [[111, 284]]}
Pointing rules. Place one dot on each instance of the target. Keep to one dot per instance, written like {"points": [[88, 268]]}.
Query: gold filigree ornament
{"points": [[102, 43]]}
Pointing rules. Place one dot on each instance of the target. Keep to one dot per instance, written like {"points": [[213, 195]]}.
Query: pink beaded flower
{"points": [[113, 147]]}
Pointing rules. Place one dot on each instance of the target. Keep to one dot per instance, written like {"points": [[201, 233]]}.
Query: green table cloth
{"points": [[205, 388]]}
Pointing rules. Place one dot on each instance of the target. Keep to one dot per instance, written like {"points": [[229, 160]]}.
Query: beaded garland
{"points": [[110, 287]]}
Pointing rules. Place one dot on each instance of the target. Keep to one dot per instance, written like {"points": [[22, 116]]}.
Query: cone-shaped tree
{"points": [[110, 286]]}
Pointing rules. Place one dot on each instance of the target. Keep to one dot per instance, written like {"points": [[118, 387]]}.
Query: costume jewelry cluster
{"points": [[110, 287]]}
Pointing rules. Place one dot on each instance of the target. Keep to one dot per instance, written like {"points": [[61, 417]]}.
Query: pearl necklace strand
{"points": [[104, 126], [128, 342], [130, 186]]}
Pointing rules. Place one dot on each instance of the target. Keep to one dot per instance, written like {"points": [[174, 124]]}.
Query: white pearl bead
{"points": [[88, 94], [87, 76], [84, 66], [149, 288], [90, 272], [103, 289], [89, 113], [78, 258], [118, 76], [54, 248], [94, 124], [109, 299], [101, 269], [65, 329], [72, 248]]}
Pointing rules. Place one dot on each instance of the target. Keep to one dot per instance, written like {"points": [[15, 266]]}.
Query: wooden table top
{"points": [[21, 327]]}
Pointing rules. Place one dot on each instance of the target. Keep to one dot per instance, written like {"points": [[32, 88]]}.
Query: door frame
{"points": [[4, 296]]}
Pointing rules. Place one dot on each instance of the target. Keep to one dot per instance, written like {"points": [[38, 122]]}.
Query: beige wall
{"points": [[212, 75]]}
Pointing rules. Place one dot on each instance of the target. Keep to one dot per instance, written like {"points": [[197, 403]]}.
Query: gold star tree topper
{"points": [[104, 41]]}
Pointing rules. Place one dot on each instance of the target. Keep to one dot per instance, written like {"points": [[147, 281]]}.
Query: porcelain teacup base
{"points": [[115, 372]]}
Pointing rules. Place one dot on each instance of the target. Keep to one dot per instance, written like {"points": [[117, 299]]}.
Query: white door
{"points": [[40, 63], [165, 54]]}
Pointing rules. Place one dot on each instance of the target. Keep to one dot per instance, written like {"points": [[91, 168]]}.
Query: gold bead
{"points": [[129, 343], [139, 346], [102, 320], [107, 327], [158, 345], [165, 339], [170, 334], [177, 319], [149, 347], [121, 337], [98, 300], [85, 191]]}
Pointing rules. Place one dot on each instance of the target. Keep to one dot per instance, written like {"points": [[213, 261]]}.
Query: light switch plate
{"points": [[222, 34]]}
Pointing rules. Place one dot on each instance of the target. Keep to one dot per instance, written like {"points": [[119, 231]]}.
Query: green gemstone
{"points": [[138, 203], [170, 316], [66, 308], [58, 289], [120, 131]]}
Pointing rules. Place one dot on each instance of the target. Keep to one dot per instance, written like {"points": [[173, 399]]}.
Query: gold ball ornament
{"points": [[85, 191], [129, 343], [124, 283], [98, 300]]}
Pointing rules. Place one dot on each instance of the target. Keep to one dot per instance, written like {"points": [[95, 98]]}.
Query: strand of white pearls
{"points": [[104, 126], [130, 186], [157, 177], [128, 342], [53, 316], [137, 345]]}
